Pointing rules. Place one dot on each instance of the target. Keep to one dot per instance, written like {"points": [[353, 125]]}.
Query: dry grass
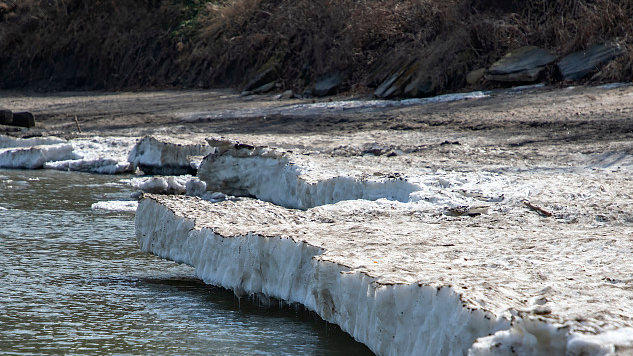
{"points": [[141, 43]]}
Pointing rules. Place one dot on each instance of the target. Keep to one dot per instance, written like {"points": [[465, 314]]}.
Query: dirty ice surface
{"points": [[490, 284], [452, 249]]}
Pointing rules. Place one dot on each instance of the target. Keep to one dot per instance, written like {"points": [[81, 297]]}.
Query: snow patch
{"points": [[332, 107]]}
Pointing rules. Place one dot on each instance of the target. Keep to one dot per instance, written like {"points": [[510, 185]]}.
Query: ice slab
{"points": [[482, 285], [115, 206], [167, 156], [34, 157], [294, 180], [103, 155]]}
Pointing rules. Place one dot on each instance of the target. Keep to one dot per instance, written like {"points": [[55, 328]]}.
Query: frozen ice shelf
{"points": [[405, 284]]}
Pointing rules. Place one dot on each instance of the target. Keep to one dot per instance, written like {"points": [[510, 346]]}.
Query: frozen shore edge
{"points": [[391, 319]]}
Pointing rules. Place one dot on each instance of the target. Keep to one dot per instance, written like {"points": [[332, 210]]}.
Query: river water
{"points": [[72, 281]]}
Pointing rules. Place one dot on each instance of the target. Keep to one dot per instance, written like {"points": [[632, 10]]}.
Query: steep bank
{"points": [[357, 45]]}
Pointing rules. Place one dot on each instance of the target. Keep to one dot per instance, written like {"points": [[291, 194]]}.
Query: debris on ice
{"points": [[477, 286]]}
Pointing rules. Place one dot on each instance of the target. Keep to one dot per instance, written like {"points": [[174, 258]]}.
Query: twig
{"points": [[77, 122], [537, 209]]}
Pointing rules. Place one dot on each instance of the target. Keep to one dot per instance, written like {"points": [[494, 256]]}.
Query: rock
{"points": [[328, 85], [419, 87], [475, 76], [265, 75], [23, 119], [396, 83], [288, 94], [524, 64], [6, 117], [264, 88], [579, 64]]}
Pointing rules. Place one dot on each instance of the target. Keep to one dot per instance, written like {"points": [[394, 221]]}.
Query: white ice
{"points": [[34, 157], [9, 142], [421, 317], [104, 155], [295, 181], [98, 154], [167, 156], [391, 320], [115, 206]]}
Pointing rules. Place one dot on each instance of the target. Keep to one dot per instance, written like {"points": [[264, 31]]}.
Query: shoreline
{"points": [[469, 167]]}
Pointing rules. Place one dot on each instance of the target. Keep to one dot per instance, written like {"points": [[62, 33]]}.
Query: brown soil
{"points": [[569, 115], [131, 44]]}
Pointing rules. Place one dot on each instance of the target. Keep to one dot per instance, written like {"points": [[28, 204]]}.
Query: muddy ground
{"points": [[539, 126]]}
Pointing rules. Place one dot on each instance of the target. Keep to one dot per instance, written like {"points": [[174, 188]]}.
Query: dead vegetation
{"points": [[114, 44]]}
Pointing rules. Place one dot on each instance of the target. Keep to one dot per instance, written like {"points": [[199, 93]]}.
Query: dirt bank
{"points": [[129, 44], [531, 127]]}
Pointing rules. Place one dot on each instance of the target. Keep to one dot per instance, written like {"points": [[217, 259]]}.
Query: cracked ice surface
{"points": [[435, 285]]}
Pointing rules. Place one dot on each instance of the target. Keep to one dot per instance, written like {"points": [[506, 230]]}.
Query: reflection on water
{"points": [[72, 281]]}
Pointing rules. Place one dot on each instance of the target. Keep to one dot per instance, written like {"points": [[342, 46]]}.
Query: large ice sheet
{"points": [[405, 283], [105, 155]]}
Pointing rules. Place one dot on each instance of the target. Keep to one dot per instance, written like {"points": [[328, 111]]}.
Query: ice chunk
{"points": [[36, 156], [163, 185], [115, 206], [104, 155], [167, 156], [286, 179]]}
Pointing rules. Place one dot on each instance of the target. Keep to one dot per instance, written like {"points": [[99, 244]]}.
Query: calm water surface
{"points": [[72, 281]]}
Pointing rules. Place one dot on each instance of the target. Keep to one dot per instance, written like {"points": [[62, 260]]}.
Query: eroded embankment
{"points": [[420, 289]]}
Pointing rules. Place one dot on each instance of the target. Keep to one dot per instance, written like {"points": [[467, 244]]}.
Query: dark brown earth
{"points": [[549, 114]]}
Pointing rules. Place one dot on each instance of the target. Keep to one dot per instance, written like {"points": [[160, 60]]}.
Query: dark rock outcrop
{"points": [[524, 64], [579, 64], [328, 84], [23, 119], [6, 117], [261, 82], [397, 80]]}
